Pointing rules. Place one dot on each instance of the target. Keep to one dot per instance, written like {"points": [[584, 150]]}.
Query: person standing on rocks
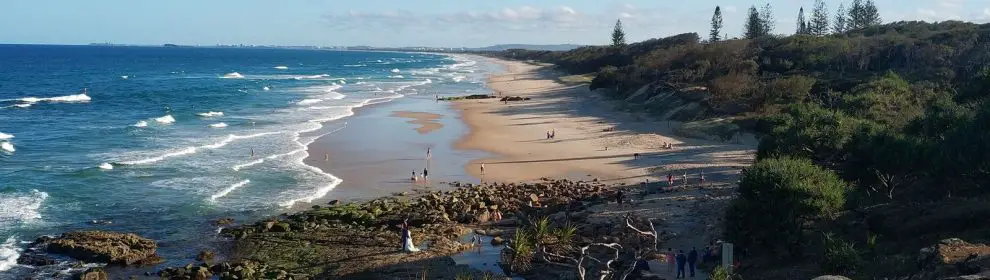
{"points": [[681, 260], [692, 260], [669, 257]]}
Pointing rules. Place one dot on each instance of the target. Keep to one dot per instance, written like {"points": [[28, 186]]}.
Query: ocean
{"points": [[165, 140]]}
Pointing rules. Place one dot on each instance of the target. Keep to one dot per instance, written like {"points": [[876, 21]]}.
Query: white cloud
{"points": [[524, 18]]}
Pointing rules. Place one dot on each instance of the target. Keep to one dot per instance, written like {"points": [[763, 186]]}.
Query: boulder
{"points": [[95, 273], [482, 216], [497, 241], [35, 260], [225, 221], [205, 255], [831, 277], [105, 247]]}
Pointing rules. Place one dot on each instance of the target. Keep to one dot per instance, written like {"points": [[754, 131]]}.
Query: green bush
{"points": [[777, 198], [722, 273], [839, 256]]}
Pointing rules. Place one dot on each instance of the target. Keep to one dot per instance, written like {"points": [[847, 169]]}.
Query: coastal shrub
{"points": [[808, 131], [778, 198], [839, 256], [541, 230], [517, 256], [722, 273], [565, 235]]}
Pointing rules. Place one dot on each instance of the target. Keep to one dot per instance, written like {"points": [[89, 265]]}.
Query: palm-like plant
{"points": [[565, 234], [541, 230]]}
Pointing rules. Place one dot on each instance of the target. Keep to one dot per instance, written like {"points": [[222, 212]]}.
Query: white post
{"points": [[727, 256]]}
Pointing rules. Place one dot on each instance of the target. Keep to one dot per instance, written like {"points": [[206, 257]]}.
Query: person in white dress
{"points": [[407, 242]]}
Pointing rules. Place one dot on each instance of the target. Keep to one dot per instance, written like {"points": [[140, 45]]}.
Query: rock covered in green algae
{"points": [[104, 247]]}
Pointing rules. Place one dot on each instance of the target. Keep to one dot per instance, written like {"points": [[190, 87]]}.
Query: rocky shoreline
{"points": [[343, 240]]}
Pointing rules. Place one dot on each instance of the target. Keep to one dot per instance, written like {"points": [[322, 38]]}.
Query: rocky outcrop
{"points": [[513, 98], [952, 257], [831, 277], [95, 273], [103, 247]]}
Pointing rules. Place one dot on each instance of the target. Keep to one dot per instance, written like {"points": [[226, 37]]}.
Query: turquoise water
{"points": [[161, 141]]}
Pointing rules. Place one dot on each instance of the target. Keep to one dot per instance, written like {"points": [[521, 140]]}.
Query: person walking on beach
{"points": [[685, 179], [681, 261], [482, 169], [670, 180], [692, 260], [426, 175], [548, 135], [701, 178], [414, 176], [428, 153], [252, 152], [326, 156], [619, 197]]}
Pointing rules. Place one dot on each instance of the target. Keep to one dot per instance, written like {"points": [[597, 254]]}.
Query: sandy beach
{"points": [[591, 138]]}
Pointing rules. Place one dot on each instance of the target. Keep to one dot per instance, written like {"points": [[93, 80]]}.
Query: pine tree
{"points": [[618, 36], [754, 27], [715, 34], [840, 25], [819, 19], [855, 16], [767, 21], [802, 25], [871, 16]]}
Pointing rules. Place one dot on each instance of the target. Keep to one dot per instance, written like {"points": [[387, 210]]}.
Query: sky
{"points": [[397, 23]]}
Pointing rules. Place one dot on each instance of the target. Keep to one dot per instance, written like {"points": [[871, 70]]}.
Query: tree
{"points": [[754, 26], [715, 35], [840, 25], [767, 22], [778, 199], [871, 16], [819, 19], [618, 36], [802, 25], [855, 15]]}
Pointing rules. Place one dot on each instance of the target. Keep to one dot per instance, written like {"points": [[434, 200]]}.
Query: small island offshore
{"points": [[850, 149]]}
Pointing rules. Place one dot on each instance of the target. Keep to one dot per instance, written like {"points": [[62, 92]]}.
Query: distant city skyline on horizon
{"points": [[390, 24]]}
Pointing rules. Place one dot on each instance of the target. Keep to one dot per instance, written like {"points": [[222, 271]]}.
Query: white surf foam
{"points": [[266, 88], [23, 105], [140, 124], [249, 164], [309, 101], [75, 98], [20, 207], [210, 114], [9, 252], [396, 77], [181, 152], [5, 136], [458, 79], [124, 77], [311, 77], [226, 191], [167, 119], [192, 150], [354, 65], [395, 70], [281, 67], [218, 125], [106, 166], [233, 75], [7, 146]]}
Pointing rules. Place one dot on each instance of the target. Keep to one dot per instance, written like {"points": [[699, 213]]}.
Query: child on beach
{"points": [[414, 175]]}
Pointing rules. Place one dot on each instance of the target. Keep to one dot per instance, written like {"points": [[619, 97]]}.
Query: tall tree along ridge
{"points": [[863, 15], [840, 25], [753, 27], [715, 34], [855, 15], [767, 22], [618, 36], [802, 25], [819, 19]]}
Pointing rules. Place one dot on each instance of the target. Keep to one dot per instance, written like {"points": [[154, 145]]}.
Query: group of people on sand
{"points": [[687, 263], [426, 171], [551, 134]]}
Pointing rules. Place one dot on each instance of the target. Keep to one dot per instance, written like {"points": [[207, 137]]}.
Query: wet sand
{"points": [[380, 147], [427, 121]]}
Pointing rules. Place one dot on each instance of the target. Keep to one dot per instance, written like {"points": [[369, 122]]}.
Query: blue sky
{"points": [[406, 23]]}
